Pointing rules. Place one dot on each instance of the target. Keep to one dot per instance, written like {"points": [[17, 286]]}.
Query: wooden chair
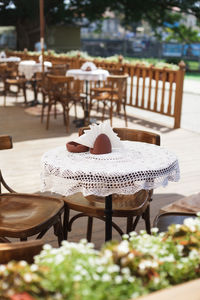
{"points": [[13, 78], [164, 220], [25, 215], [113, 92], [63, 90], [59, 69], [128, 206], [20, 251]]}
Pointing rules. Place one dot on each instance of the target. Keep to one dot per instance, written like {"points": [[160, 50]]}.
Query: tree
{"points": [[24, 14]]}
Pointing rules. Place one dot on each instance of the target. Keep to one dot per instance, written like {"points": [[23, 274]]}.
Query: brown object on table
{"points": [[76, 148], [20, 251], [25, 215], [102, 145], [88, 69], [128, 206]]}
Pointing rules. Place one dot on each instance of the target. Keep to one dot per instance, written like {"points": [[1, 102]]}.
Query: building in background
{"points": [[8, 37]]}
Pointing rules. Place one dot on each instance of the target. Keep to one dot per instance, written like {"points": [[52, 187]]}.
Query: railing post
{"points": [[179, 94]]}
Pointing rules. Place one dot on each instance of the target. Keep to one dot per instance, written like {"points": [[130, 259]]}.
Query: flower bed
{"points": [[138, 265]]}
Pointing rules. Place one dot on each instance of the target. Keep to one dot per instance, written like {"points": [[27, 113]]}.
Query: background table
{"points": [[95, 75], [128, 170], [10, 59], [30, 67]]}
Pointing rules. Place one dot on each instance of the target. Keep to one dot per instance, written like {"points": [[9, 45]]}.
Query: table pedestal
{"points": [[108, 215]]}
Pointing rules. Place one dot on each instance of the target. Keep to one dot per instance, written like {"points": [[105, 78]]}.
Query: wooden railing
{"points": [[149, 88]]}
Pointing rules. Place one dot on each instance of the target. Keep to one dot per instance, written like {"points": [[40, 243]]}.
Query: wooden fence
{"points": [[149, 88]]}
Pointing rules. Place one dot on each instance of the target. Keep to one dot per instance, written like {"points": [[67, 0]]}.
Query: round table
{"points": [[10, 59], [126, 170], [94, 75], [30, 67]]}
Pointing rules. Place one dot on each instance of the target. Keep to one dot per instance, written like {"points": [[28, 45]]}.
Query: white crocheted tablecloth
{"points": [[127, 170]]}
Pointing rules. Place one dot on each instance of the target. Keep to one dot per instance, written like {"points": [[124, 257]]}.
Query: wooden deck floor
{"points": [[21, 165]]}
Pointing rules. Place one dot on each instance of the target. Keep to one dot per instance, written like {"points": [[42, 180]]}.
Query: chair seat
{"points": [[15, 81], [26, 213], [163, 221], [123, 205]]}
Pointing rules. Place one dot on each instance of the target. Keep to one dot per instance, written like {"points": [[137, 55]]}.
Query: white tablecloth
{"points": [[10, 59], [29, 67], [98, 74], [127, 170]]}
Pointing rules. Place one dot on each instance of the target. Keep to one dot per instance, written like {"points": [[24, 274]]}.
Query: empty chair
{"points": [[25, 215], [128, 206], [65, 91], [164, 220], [113, 93], [13, 78], [59, 69]]}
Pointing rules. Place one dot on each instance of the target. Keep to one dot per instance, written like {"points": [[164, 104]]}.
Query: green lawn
{"points": [[193, 76]]}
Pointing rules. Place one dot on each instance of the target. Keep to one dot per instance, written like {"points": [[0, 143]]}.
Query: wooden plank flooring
{"points": [[21, 165]]}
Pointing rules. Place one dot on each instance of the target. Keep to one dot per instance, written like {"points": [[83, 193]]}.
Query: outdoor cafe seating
{"points": [[131, 207]]}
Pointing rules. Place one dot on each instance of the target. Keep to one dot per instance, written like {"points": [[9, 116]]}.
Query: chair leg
{"points": [[67, 120], [43, 106], [111, 113], [135, 223], [58, 231], [48, 115], [146, 217], [89, 228], [129, 224], [125, 116], [24, 93], [66, 222]]}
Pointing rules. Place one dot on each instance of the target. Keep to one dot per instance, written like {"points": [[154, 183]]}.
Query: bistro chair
{"points": [[164, 220], [26, 215], [112, 93], [58, 69], [65, 91], [13, 78], [20, 251], [132, 207]]}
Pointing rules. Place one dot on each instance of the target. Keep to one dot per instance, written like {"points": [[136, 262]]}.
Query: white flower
{"points": [[47, 247], [118, 279], [23, 263], [34, 268], [113, 269], [154, 230], [123, 247], [28, 277], [77, 278], [2, 268], [106, 277]]}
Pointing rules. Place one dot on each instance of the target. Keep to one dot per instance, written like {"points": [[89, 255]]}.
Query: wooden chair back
{"points": [[20, 251], [138, 135], [59, 69], [133, 135], [59, 86], [118, 87]]}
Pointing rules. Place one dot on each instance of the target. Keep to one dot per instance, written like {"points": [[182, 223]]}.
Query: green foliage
{"points": [[183, 34]]}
